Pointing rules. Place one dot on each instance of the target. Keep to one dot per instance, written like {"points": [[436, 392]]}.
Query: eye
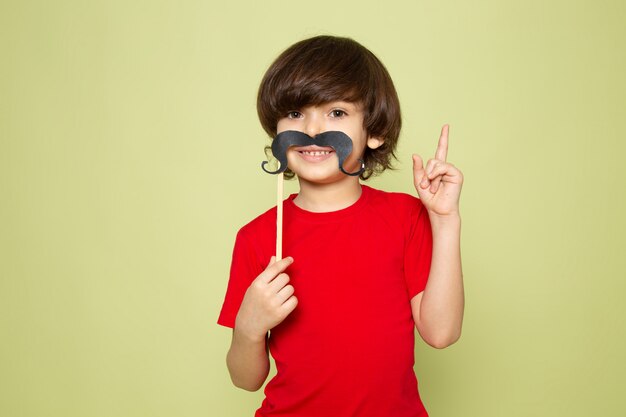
{"points": [[294, 115], [338, 113]]}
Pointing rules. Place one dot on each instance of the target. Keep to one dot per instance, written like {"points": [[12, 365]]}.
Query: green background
{"points": [[130, 155]]}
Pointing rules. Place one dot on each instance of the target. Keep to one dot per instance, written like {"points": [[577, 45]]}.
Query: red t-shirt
{"points": [[347, 350]]}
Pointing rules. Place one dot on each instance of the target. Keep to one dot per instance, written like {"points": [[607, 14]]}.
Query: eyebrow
{"points": [[341, 103]]}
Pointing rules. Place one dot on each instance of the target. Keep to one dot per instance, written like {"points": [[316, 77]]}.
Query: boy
{"points": [[364, 267]]}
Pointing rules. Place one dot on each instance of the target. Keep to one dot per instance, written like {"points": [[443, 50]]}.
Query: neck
{"points": [[321, 198]]}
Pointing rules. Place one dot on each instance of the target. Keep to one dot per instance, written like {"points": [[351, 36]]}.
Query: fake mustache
{"points": [[339, 141]]}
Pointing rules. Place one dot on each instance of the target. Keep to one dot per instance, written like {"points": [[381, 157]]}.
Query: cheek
{"points": [[283, 125], [359, 147], [291, 155]]}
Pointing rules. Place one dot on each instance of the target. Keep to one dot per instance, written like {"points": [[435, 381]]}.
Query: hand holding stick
{"points": [[279, 217]]}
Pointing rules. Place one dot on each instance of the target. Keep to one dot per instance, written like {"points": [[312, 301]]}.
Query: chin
{"points": [[324, 179]]}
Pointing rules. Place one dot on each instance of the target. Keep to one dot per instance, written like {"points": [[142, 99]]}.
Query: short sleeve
{"points": [[244, 268], [418, 249]]}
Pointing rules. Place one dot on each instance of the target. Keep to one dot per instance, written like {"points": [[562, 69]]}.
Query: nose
{"points": [[313, 124]]}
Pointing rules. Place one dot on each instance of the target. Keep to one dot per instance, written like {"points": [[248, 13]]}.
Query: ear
{"points": [[374, 143]]}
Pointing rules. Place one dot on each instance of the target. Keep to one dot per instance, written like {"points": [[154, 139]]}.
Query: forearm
{"points": [[247, 361], [442, 304]]}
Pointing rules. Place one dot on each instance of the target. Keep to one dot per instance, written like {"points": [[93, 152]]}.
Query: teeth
{"points": [[316, 153]]}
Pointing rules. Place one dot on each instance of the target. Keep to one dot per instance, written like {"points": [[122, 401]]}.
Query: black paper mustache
{"points": [[339, 141]]}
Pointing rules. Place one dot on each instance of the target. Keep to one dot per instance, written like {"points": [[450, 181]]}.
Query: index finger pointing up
{"points": [[442, 147]]}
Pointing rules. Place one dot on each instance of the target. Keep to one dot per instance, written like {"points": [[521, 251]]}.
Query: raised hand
{"points": [[268, 300], [439, 184]]}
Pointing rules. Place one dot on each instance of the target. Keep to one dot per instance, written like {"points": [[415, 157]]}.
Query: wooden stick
{"points": [[279, 218]]}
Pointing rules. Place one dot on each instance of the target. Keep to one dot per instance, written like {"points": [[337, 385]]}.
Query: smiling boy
{"points": [[364, 269]]}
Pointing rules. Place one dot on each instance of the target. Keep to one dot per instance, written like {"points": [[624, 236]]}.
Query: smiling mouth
{"points": [[315, 153], [314, 150]]}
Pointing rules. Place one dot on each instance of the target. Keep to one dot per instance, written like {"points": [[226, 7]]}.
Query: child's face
{"points": [[319, 164]]}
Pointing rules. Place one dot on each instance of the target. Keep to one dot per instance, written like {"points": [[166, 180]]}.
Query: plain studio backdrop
{"points": [[130, 156]]}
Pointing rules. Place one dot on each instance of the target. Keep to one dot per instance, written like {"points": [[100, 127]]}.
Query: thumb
{"points": [[418, 166], [418, 170]]}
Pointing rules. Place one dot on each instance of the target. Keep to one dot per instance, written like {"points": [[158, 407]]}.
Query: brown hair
{"points": [[327, 68]]}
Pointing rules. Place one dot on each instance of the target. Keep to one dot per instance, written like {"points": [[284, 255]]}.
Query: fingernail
{"points": [[424, 183]]}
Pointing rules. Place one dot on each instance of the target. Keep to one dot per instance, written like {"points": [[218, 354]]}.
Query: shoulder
{"points": [[399, 211], [254, 243], [262, 224], [396, 201]]}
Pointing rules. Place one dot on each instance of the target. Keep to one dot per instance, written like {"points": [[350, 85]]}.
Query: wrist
{"points": [[248, 334], [445, 221]]}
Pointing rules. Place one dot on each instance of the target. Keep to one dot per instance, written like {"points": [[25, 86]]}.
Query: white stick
{"points": [[279, 218]]}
